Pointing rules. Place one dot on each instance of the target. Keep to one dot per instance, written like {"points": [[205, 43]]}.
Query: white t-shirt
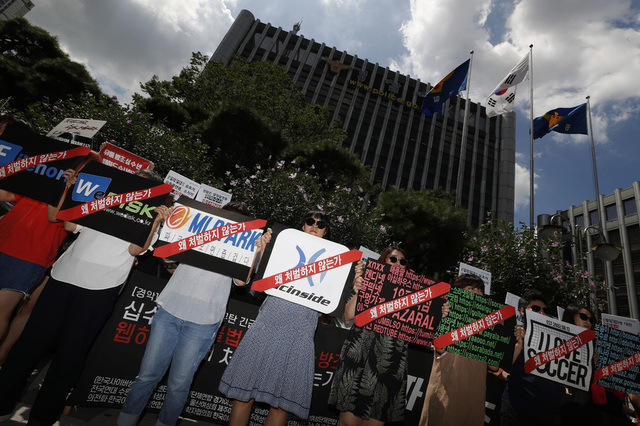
{"points": [[95, 261]]}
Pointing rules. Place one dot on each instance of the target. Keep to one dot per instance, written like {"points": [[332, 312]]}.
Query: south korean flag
{"points": [[501, 102]]}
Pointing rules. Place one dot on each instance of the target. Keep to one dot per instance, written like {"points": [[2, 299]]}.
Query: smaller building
{"points": [[11, 8]]}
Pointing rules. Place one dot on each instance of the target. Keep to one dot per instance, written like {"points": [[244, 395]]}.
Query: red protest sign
{"points": [[206, 237], [559, 351], [122, 159], [307, 270]]}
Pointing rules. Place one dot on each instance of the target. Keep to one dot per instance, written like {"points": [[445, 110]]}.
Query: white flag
{"points": [[502, 97], [501, 102]]}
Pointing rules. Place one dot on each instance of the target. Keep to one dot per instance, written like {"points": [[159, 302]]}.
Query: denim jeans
{"points": [[182, 344]]}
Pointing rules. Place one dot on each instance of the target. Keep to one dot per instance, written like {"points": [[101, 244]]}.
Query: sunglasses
{"points": [[400, 260], [585, 317], [321, 224], [538, 308]]}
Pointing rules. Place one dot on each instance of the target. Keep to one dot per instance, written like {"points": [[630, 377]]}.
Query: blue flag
{"points": [[562, 120], [451, 85]]}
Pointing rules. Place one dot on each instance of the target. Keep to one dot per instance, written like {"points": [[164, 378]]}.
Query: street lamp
{"points": [[603, 250]]}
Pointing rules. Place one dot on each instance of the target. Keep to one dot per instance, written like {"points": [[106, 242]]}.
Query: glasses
{"points": [[321, 224], [400, 260], [538, 308], [585, 317]]}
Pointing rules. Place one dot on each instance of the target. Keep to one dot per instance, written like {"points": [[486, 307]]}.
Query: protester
{"points": [[529, 399], [72, 308], [274, 362], [183, 330], [369, 387], [457, 384]]}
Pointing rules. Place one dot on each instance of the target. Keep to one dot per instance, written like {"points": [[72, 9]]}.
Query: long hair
{"points": [[573, 309], [387, 252]]}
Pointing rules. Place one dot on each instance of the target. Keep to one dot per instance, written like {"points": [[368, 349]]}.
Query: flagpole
{"points": [[463, 144], [531, 135]]}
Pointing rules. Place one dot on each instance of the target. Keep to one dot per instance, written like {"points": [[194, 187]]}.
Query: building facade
{"points": [[11, 8], [621, 227], [381, 111]]}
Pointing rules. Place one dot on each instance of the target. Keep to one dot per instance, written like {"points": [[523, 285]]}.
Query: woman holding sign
{"points": [[370, 384], [274, 362]]}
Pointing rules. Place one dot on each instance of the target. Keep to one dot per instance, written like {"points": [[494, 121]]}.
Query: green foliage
{"points": [[33, 67], [518, 260], [427, 225]]}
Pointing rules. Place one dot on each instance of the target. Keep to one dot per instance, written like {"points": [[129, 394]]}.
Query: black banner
{"points": [[618, 359]]}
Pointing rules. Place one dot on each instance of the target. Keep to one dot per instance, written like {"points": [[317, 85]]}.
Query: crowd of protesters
{"points": [[51, 300]]}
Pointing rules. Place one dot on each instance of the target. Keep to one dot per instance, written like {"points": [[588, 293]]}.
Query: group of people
{"points": [[274, 362]]}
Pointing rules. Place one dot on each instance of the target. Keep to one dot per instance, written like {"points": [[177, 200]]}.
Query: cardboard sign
{"points": [[181, 185], [130, 221], [478, 328], [122, 159], [43, 182], [232, 255], [76, 131], [316, 290], [630, 325], [212, 196], [484, 275], [571, 361], [386, 283], [618, 359]]}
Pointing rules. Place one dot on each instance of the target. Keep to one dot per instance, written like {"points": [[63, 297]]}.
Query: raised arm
{"points": [[519, 333], [52, 211], [350, 307], [261, 245]]}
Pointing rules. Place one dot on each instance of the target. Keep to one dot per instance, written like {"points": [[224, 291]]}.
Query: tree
{"points": [[33, 67], [519, 260], [427, 225]]}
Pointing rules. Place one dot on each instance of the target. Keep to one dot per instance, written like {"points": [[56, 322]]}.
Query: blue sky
{"points": [[581, 48]]}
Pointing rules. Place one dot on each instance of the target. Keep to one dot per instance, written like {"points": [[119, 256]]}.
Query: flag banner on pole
{"points": [[451, 85], [562, 120], [502, 97]]}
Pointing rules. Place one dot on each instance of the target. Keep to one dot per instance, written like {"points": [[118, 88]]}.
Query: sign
{"points": [[129, 221], [618, 359], [484, 275], [122, 159], [76, 131], [478, 328], [317, 286], [387, 283], [232, 255], [630, 325], [564, 357], [212, 196], [43, 182], [513, 300], [181, 185]]}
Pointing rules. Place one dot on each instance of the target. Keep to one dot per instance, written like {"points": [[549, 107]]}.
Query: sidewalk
{"points": [[86, 416]]}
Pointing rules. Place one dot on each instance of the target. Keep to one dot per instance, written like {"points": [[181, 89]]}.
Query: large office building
{"points": [[619, 227], [381, 111], [11, 8]]}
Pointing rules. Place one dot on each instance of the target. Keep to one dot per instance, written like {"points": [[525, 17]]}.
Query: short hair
{"points": [[14, 120], [573, 309], [529, 296], [387, 252], [472, 280], [237, 207], [149, 174], [317, 214]]}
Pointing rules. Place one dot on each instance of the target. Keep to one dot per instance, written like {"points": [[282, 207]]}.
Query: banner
{"points": [[122, 159], [232, 255], [114, 362], [130, 221], [478, 328], [630, 325], [386, 283], [76, 131], [562, 359], [181, 185], [319, 287], [618, 359], [212, 196], [43, 182]]}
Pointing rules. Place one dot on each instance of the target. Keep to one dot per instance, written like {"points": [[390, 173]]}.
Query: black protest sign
{"points": [[43, 182], [129, 221], [232, 255], [383, 294], [618, 359], [478, 328], [551, 351]]}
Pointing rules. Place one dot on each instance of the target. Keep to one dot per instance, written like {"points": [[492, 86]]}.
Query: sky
{"points": [[580, 48]]}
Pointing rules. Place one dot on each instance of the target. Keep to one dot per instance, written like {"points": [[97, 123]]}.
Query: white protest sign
{"points": [[320, 292], [630, 325], [484, 275], [513, 300], [575, 368], [77, 131], [212, 196], [181, 185]]}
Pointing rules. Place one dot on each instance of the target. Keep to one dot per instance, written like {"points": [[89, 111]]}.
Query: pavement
{"points": [[76, 416]]}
